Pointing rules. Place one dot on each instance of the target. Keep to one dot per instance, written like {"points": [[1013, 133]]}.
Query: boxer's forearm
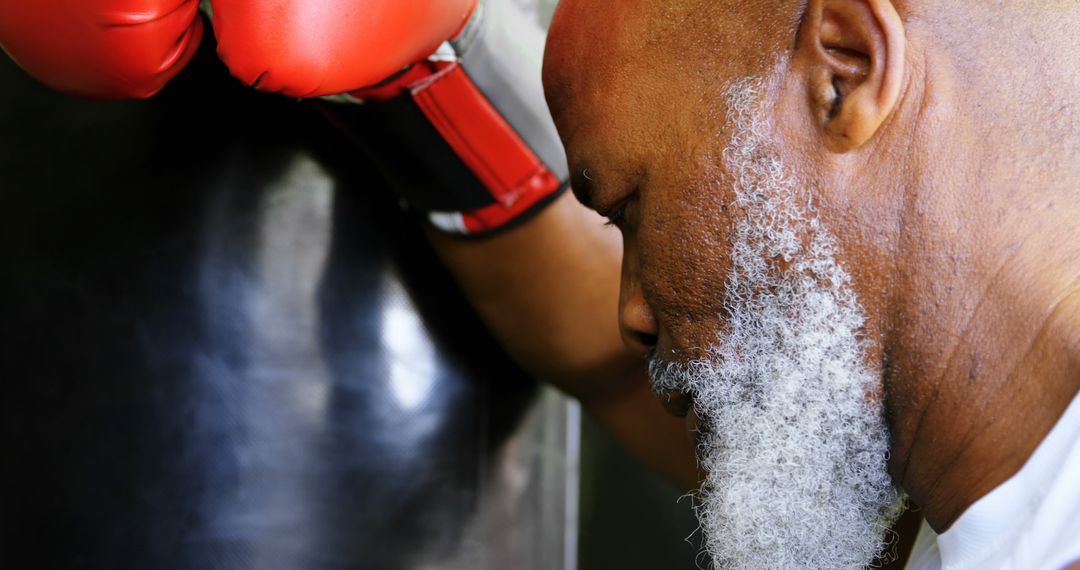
{"points": [[549, 291], [635, 417]]}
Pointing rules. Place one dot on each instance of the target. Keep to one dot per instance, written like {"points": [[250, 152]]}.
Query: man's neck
{"points": [[989, 402], [983, 353]]}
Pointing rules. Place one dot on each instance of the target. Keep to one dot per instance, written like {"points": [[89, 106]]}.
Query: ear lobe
{"points": [[855, 67]]}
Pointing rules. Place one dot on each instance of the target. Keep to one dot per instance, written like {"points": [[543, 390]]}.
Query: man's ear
{"points": [[855, 51]]}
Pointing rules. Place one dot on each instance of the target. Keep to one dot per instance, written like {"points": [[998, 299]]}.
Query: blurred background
{"points": [[225, 346]]}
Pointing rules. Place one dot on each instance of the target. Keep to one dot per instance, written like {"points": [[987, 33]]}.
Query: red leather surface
{"points": [[309, 48], [503, 162], [495, 216], [110, 49], [488, 145]]}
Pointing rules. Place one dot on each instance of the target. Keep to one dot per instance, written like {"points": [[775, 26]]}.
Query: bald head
{"points": [[590, 39], [616, 71], [938, 142]]}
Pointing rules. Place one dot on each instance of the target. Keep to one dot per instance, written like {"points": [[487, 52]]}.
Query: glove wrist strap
{"points": [[482, 100]]}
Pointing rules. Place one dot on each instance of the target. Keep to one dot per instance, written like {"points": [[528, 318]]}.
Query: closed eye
{"points": [[615, 215]]}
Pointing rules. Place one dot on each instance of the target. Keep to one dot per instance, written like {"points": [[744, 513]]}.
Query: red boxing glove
{"points": [[310, 48], [459, 78], [109, 49]]}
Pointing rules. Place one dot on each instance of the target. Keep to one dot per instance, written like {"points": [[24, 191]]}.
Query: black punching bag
{"points": [[224, 347]]}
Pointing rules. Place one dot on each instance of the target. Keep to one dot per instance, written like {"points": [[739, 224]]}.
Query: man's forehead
{"points": [[586, 43], [597, 34], [630, 81], [594, 44]]}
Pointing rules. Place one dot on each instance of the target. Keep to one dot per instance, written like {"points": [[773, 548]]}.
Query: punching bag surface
{"points": [[224, 347]]}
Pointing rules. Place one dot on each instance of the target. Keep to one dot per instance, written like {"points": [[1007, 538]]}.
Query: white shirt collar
{"points": [[989, 529]]}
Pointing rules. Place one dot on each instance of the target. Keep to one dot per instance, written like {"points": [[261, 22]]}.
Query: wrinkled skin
{"points": [[951, 194]]}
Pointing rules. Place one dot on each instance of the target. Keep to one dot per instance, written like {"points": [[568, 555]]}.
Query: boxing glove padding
{"points": [[311, 48], [107, 49], [482, 98], [476, 97]]}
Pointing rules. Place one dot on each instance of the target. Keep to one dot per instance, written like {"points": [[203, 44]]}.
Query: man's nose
{"points": [[636, 321]]}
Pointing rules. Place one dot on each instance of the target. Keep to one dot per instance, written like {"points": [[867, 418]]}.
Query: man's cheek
{"points": [[687, 324], [684, 278]]}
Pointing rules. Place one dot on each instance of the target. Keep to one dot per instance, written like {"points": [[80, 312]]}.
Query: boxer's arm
{"points": [[545, 278], [548, 289]]}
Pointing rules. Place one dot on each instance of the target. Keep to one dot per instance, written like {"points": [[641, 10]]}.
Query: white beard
{"points": [[793, 434]]}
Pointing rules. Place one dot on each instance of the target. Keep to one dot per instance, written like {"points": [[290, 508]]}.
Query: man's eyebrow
{"points": [[583, 186]]}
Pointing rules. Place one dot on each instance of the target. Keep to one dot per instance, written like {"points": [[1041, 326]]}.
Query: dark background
{"points": [[224, 346]]}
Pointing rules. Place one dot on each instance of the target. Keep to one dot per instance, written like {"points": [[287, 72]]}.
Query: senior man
{"points": [[851, 234], [849, 242], [852, 249]]}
